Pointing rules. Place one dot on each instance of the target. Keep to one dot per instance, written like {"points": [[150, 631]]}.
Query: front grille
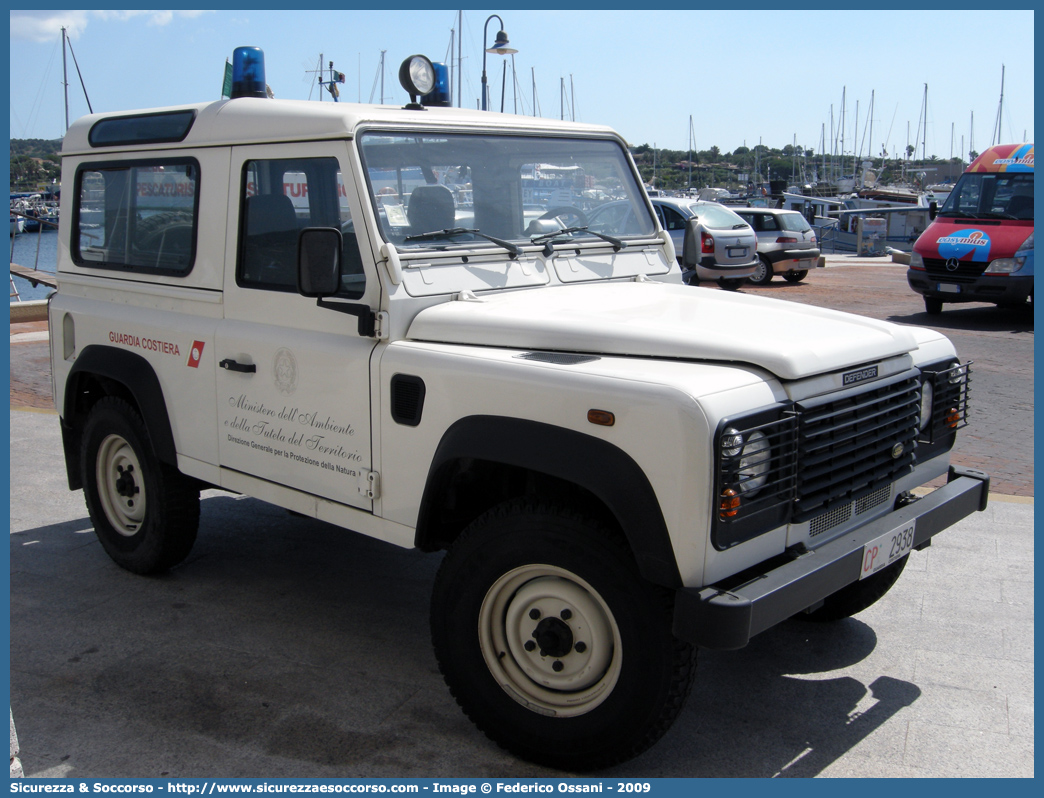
{"points": [[966, 272], [831, 458], [855, 442]]}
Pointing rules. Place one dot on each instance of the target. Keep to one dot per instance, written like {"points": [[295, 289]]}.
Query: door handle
{"points": [[230, 365]]}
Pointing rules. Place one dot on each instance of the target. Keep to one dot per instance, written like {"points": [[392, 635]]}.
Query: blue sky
{"points": [[768, 75]]}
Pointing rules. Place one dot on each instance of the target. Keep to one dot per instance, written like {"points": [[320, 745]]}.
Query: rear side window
{"points": [[138, 216]]}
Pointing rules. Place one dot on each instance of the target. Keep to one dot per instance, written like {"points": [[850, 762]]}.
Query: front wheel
{"points": [[145, 512], [551, 641]]}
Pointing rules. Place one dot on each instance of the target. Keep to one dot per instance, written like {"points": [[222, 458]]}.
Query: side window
{"points": [[672, 220], [281, 197], [660, 216], [768, 222], [137, 216]]}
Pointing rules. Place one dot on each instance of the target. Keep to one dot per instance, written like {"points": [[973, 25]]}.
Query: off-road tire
{"points": [[856, 597], [625, 677], [763, 275], [145, 513]]}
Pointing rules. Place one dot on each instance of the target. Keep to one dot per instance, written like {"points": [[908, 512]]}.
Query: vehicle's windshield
{"points": [[995, 195], [480, 190]]}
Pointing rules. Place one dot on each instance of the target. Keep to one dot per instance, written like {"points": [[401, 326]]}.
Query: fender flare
{"points": [[137, 376], [601, 468]]}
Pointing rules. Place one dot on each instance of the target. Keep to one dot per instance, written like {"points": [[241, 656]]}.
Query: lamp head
{"points": [[501, 46]]}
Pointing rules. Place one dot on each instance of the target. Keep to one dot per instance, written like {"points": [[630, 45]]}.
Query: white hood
{"points": [[673, 321]]}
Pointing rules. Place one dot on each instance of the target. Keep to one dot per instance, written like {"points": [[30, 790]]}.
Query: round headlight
{"points": [[731, 442], [417, 75], [927, 395], [754, 464], [958, 375]]}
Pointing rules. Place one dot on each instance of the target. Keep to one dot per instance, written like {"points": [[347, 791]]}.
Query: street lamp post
{"points": [[500, 47]]}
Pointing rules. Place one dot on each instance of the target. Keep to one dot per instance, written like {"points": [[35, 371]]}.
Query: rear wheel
{"points": [[145, 512], [932, 305], [795, 275], [732, 284], [763, 274], [551, 641]]}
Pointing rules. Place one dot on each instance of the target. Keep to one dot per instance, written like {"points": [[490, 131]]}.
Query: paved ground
{"points": [[284, 647]]}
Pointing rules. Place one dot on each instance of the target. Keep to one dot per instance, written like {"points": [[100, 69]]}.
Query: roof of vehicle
{"points": [[1005, 158], [256, 120]]}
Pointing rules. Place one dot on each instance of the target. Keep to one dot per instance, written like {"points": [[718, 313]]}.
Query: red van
{"points": [[967, 254]]}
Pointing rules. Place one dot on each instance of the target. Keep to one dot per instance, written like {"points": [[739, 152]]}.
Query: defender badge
{"points": [[852, 377]]}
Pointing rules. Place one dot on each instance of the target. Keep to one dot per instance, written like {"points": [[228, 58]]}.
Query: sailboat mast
{"points": [[924, 130], [1000, 109], [65, 81]]}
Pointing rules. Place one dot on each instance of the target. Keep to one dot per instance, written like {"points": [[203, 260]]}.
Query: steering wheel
{"points": [[570, 216]]}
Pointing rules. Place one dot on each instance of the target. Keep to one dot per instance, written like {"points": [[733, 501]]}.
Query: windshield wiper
{"points": [[450, 232], [551, 238], [956, 214]]}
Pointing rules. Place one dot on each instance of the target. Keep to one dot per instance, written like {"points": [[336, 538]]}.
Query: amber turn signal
{"points": [[730, 503]]}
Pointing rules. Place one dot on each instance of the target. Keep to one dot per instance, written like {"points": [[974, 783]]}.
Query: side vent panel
{"points": [[407, 399]]}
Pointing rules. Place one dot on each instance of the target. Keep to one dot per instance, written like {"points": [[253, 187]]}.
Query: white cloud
{"points": [[43, 26], [46, 26]]}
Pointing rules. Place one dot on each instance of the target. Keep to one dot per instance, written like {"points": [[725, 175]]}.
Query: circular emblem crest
{"points": [[284, 369], [952, 264], [897, 451]]}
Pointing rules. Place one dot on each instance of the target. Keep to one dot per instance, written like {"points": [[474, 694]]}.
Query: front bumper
{"points": [[720, 618], [997, 288]]}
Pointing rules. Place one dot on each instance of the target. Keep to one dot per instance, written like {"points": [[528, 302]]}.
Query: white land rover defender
{"points": [[397, 320]]}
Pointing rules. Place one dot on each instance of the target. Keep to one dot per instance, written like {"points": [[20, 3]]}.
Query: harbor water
{"points": [[35, 251]]}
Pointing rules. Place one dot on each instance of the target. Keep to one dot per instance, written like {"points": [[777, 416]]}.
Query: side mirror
{"points": [[691, 244], [933, 210], [319, 261]]}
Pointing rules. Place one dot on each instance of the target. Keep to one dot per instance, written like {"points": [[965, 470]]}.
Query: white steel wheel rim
{"points": [[553, 605], [120, 487]]}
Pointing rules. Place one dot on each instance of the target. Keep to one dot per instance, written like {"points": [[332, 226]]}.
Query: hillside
{"points": [[34, 163]]}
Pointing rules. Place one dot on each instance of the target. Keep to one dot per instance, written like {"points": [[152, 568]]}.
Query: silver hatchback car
{"points": [[786, 244], [727, 245]]}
